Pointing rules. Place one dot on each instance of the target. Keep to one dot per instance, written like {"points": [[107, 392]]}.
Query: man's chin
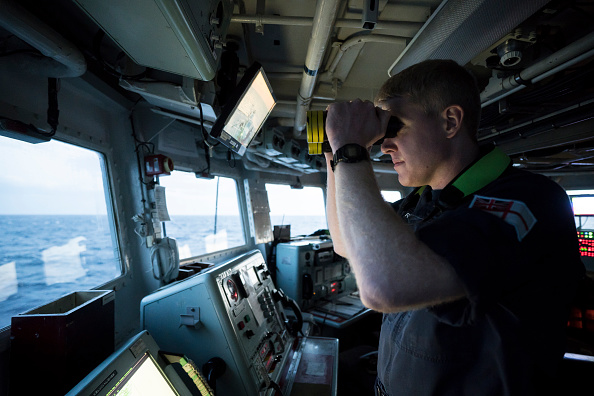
{"points": [[407, 183]]}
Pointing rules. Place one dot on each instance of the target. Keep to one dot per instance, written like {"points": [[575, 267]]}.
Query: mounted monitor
{"points": [[137, 368], [583, 205], [246, 110]]}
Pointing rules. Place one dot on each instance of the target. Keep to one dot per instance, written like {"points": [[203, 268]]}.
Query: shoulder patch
{"points": [[512, 212]]}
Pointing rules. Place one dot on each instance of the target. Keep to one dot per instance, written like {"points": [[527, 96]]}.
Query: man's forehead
{"points": [[394, 102]]}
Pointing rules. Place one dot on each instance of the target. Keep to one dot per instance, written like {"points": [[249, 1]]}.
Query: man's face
{"points": [[420, 149]]}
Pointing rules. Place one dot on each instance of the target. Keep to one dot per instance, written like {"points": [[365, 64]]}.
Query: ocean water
{"points": [[194, 234], [300, 225], [43, 257]]}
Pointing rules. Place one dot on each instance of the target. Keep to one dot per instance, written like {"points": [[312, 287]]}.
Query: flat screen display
{"points": [[144, 379], [245, 112], [136, 369], [583, 205]]}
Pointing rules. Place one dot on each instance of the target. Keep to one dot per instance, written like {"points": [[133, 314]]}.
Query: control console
{"points": [[229, 312], [308, 270]]}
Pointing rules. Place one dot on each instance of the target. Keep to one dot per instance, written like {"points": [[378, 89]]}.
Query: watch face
{"points": [[352, 151]]}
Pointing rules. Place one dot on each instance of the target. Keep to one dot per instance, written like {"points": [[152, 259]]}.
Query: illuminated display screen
{"points": [[143, 379], [583, 206], [586, 239], [244, 115], [251, 111]]}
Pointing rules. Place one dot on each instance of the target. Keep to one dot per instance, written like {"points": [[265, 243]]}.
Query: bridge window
{"points": [[56, 235], [391, 196], [303, 209], [582, 202], [205, 215]]}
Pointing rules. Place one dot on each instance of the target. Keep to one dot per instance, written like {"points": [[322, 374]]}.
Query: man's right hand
{"points": [[358, 122]]}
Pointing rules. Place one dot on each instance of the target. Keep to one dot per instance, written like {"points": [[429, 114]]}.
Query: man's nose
{"points": [[388, 146]]}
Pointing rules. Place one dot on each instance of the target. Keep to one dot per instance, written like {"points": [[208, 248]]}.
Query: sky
{"points": [[283, 200], [49, 178], [187, 195], [58, 178]]}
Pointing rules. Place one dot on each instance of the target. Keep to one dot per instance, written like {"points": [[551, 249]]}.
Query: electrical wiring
{"points": [[562, 90], [165, 270], [97, 40], [52, 108], [208, 147], [149, 146], [276, 387], [21, 51]]}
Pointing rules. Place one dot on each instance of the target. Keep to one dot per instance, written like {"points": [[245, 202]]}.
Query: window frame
{"points": [[392, 191], [589, 218], [322, 187], [243, 218], [105, 159]]}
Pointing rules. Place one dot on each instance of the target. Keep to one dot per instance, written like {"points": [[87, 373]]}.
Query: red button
{"points": [[241, 325]]}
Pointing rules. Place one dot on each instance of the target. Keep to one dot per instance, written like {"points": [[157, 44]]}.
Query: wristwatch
{"points": [[350, 153]]}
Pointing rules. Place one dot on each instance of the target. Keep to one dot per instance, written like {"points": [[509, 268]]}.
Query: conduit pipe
{"points": [[281, 170], [68, 61], [323, 24], [362, 39], [566, 57], [399, 28], [261, 162], [288, 110]]}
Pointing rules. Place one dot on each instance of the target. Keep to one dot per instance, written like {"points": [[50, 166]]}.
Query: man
{"points": [[474, 270]]}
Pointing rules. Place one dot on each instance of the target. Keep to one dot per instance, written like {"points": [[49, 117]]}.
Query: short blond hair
{"points": [[434, 85]]}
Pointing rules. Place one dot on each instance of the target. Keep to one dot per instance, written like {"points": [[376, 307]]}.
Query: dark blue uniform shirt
{"points": [[516, 252]]}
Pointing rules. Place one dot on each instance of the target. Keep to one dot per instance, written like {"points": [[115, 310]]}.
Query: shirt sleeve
{"points": [[499, 268]]}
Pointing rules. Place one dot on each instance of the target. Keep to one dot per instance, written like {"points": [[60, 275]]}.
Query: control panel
{"points": [[308, 270], [229, 312], [256, 320], [586, 240]]}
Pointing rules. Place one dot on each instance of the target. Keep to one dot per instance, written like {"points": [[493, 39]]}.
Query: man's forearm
{"points": [[394, 270], [331, 215]]}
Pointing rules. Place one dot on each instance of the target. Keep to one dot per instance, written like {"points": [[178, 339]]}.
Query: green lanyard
{"points": [[478, 175]]}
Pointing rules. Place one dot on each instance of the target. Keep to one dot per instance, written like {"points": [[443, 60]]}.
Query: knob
{"points": [[214, 369]]}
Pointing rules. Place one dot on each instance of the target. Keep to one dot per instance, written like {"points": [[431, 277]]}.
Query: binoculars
{"points": [[317, 142]]}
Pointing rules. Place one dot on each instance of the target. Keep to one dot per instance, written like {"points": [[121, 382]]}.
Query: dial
{"points": [[232, 288]]}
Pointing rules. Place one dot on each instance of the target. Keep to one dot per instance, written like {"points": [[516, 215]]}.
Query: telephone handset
{"points": [[308, 287], [294, 327]]}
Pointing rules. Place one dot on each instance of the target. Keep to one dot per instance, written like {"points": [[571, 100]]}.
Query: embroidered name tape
{"points": [[515, 213]]}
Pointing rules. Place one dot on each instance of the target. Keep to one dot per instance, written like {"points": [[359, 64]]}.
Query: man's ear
{"points": [[453, 116]]}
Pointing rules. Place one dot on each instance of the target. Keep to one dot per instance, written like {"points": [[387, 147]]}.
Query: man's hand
{"points": [[355, 122]]}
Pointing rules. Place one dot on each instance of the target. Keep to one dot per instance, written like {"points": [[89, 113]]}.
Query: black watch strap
{"points": [[349, 153]]}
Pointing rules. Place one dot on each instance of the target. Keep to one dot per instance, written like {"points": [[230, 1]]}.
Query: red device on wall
{"points": [[158, 164]]}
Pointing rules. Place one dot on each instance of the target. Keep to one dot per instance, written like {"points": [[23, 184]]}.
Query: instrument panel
{"points": [[230, 312], [309, 271]]}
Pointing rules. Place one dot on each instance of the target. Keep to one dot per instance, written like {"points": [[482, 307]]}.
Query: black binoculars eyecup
{"points": [[394, 125]]}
